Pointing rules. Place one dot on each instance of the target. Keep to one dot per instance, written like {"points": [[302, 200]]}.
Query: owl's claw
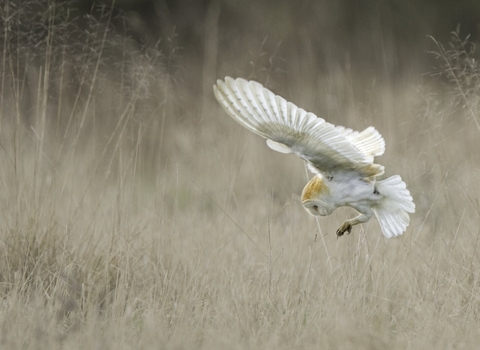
{"points": [[346, 227]]}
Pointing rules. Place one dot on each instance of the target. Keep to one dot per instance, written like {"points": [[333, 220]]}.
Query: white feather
{"points": [[392, 210], [279, 147]]}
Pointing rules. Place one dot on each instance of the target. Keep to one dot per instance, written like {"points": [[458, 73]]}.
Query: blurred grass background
{"points": [[137, 214]]}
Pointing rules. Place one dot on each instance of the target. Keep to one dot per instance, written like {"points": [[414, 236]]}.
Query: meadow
{"points": [[136, 214]]}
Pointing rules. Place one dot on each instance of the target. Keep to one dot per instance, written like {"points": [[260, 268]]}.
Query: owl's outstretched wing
{"points": [[290, 129]]}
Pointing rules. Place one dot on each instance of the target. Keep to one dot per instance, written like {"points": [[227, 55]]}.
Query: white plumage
{"points": [[341, 158]]}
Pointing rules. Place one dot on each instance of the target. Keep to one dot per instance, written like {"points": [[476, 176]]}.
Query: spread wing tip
{"points": [[369, 142]]}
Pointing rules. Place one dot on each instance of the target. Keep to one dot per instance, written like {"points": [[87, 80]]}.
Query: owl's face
{"points": [[315, 197], [317, 207]]}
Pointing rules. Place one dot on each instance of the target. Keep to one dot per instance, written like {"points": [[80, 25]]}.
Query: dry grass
{"points": [[131, 219]]}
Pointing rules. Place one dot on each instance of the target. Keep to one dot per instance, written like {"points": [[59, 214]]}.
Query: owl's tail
{"points": [[393, 207]]}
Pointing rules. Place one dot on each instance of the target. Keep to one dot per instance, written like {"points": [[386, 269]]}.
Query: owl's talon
{"points": [[346, 227]]}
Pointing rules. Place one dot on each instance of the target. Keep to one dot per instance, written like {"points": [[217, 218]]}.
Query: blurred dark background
{"points": [[388, 37], [373, 41]]}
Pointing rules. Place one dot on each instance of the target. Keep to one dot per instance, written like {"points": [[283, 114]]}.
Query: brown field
{"points": [[137, 215]]}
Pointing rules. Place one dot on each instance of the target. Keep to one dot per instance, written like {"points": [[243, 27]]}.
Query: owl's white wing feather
{"points": [[369, 141], [290, 129]]}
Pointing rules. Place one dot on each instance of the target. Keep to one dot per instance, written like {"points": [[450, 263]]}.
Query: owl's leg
{"points": [[346, 227]]}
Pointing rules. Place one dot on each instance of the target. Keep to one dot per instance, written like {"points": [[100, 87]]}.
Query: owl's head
{"points": [[315, 197]]}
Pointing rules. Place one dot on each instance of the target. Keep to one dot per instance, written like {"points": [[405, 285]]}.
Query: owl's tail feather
{"points": [[393, 207]]}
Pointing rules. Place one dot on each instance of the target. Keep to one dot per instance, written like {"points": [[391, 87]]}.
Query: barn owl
{"points": [[340, 158]]}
